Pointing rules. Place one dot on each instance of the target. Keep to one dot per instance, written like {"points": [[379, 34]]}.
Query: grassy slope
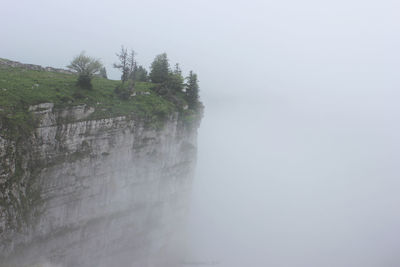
{"points": [[20, 88]]}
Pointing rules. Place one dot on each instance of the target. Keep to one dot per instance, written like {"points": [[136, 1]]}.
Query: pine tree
{"points": [[177, 69], [160, 69], [192, 91], [141, 74], [175, 81]]}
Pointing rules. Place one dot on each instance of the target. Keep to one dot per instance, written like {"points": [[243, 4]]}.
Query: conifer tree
{"points": [[177, 69], [192, 91], [141, 74], [175, 81], [160, 69]]}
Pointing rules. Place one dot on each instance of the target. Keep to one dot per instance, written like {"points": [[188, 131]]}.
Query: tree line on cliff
{"points": [[168, 81]]}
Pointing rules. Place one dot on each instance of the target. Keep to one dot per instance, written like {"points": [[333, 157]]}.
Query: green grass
{"points": [[20, 88]]}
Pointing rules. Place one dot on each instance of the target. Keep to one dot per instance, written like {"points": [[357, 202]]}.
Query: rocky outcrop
{"points": [[106, 192], [14, 64]]}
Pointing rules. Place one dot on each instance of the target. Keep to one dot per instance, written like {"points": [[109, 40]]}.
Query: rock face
{"points": [[109, 192]]}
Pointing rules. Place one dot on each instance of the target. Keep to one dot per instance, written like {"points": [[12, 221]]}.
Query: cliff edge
{"points": [[88, 179]]}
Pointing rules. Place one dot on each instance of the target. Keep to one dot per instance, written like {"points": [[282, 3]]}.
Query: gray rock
{"points": [[107, 192]]}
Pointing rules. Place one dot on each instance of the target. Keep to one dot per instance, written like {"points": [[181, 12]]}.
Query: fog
{"points": [[298, 148], [292, 181]]}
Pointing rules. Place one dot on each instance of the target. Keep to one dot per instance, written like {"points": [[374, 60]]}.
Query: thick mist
{"points": [[298, 181], [299, 146]]}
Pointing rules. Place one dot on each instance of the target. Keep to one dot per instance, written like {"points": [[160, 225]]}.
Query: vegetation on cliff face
{"points": [[22, 86]]}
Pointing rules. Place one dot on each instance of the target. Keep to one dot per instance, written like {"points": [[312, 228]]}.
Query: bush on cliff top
{"points": [[86, 67]]}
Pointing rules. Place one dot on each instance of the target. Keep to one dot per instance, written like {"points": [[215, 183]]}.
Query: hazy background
{"points": [[298, 150]]}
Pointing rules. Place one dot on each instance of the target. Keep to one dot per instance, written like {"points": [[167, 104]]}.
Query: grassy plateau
{"points": [[22, 87]]}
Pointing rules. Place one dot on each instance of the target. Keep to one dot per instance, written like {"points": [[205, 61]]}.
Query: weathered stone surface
{"points": [[108, 192], [15, 64]]}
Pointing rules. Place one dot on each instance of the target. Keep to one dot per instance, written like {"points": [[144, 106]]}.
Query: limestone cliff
{"points": [[77, 191]]}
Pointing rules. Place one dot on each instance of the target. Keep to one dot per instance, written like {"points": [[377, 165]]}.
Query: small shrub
{"points": [[65, 99], [84, 81], [78, 95], [123, 91], [86, 67]]}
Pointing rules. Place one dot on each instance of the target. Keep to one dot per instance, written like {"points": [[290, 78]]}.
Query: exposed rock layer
{"points": [[107, 192]]}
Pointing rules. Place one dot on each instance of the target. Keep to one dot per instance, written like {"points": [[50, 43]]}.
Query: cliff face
{"points": [[80, 192]]}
